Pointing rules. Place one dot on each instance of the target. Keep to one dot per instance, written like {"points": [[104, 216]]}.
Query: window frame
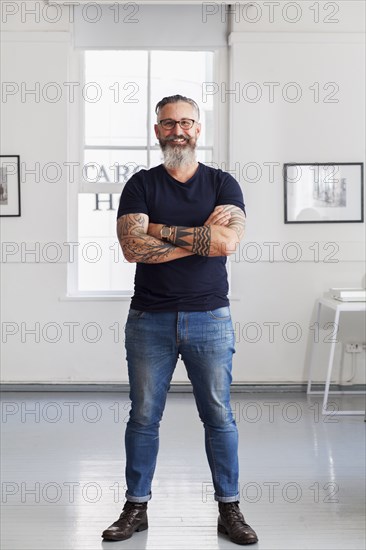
{"points": [[76, 148]]}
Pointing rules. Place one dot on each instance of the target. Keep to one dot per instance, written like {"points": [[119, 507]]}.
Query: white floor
{"points": [[302, 476]]}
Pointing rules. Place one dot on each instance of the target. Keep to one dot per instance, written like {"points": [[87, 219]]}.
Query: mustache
{"points": [[180, 136]]}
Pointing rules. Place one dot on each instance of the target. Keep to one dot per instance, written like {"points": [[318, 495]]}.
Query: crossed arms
{"points": [[219, 236]]}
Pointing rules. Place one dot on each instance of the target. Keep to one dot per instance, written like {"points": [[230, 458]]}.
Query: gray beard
{"points": [[178, 157]]}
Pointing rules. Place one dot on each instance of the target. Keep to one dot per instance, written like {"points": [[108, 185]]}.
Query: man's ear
{"points": [[156, 128]]}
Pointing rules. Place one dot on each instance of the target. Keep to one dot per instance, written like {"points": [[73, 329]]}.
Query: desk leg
{"points": [[312, 355], [330, 365]]}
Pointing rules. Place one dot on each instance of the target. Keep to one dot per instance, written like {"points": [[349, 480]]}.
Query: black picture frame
{"points": [[10, 186], [329, 192]]}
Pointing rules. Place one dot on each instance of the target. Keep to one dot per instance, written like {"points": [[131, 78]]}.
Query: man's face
{"points": [[178, 145]]}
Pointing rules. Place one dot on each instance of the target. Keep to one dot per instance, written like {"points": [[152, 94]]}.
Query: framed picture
{"points": [[323, 193], [9, 185]]}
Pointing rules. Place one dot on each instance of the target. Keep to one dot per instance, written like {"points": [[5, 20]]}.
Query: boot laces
{"points": [[233, 512], [129, 510]]}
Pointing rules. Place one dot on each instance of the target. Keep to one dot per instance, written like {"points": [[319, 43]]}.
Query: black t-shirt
{"points": [[192, 283]]}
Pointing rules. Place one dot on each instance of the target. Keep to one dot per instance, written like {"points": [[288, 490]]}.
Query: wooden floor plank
{"points": [[302, 475]]}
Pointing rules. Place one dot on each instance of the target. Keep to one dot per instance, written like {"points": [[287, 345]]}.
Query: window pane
{"points": [[106, 166], [115, 97], [183, 73], [101, 265], [204, 156], [119, 118]]}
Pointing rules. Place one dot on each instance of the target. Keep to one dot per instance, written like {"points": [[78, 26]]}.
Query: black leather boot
{"points": [[231, 522], [133, 518]]}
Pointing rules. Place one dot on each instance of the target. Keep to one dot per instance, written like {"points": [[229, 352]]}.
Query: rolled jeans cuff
{"points": [[131, 498], [234, 498]]}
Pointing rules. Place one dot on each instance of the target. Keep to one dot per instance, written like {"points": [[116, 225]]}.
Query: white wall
{"points": [[276, 130], [264, 292]]}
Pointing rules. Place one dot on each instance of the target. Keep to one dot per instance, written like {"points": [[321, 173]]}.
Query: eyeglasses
{"points": [[184, 123]]}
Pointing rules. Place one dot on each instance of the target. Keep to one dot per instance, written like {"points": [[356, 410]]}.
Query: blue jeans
{"points": [[206, 342]]}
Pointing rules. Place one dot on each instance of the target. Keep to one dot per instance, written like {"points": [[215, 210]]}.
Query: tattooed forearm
{"points": [[214, 238], [140, 240], [197, 239], [201, 241], [237, 219], [139, 247], [149, 250], [131, 224]]}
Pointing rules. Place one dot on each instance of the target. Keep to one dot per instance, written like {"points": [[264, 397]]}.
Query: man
{"points": [[178, 222]]}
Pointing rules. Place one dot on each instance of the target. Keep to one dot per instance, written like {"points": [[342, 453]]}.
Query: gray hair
{"points": [[175, 99]]}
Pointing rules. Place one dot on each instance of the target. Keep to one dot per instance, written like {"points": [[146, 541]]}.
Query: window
{"points": [[121, 90]]}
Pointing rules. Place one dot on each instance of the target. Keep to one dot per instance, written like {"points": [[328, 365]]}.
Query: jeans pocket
{"points": [[135, 314], [220, 313]]}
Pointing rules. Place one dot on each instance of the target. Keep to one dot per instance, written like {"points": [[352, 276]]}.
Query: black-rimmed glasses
{"points": [[184, 123]]}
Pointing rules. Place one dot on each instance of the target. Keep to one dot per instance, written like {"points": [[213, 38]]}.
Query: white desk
{"points": [[338, 307]]}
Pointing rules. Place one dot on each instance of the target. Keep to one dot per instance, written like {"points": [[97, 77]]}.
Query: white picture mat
{"points": [[9, 178], [303, 206]]}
